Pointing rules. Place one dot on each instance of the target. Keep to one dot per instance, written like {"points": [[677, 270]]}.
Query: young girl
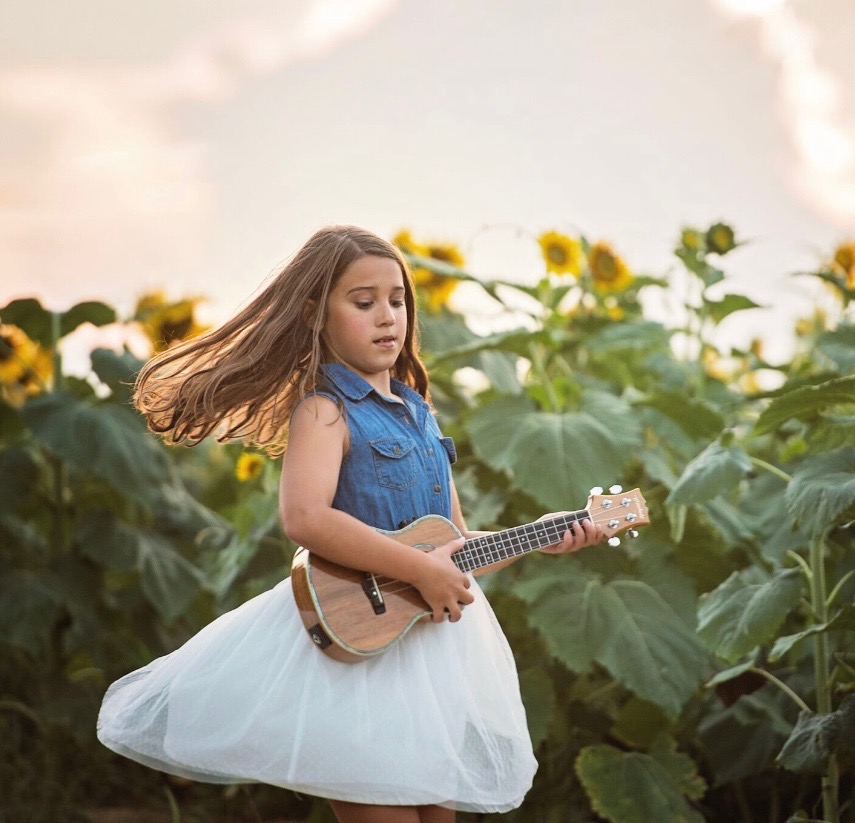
{"points": [[327, 356]]}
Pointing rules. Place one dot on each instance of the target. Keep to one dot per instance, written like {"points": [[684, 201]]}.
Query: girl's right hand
{"points": [[442, 584]]}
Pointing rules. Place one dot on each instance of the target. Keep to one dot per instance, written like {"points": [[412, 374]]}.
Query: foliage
{"points": [[702, 671]]}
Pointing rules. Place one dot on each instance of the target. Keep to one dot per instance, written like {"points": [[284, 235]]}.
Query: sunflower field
{"points": [[703, 671]]}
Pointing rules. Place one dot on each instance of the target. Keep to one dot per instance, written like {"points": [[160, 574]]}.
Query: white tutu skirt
{"points": [[437, 718]]}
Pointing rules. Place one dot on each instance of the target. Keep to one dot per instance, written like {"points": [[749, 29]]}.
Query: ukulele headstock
{"points": [[618, 511]]}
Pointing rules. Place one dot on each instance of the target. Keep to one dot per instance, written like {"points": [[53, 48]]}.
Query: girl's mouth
{"points": [[385, 342]]}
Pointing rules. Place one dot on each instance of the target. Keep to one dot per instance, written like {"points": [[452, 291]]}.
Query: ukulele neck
{"points": [[492, 548]]}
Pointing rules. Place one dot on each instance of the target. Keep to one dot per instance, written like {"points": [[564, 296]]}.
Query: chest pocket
{"points": [[395, 462]]}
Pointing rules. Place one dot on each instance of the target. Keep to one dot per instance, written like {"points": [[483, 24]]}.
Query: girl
{"points": [[327, 356]]}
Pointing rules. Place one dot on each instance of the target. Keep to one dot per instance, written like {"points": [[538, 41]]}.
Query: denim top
{"points": [[397, 468]]}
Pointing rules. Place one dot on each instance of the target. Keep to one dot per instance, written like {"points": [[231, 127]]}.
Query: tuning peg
{"points": [[596, 490], [615, 489], [632, 533], [614, 541]]}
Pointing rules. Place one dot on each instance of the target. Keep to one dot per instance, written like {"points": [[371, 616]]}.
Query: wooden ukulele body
{"points": [[337, 606]]}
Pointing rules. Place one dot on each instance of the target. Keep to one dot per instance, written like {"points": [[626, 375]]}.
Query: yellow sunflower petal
{"points": [[249, 466], [608, 270], [562, 254]]}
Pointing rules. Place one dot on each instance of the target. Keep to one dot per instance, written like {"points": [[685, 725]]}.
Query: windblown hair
{"points": [[244, 379]]}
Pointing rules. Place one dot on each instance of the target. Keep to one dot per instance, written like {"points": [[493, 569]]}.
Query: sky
{"points": [[193, 146]]}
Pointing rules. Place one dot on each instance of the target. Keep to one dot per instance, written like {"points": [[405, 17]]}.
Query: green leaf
{"points": [[839, 346], [11, 424], [169, 581], [730, 303], [742, 739], [639, 723], [729, 673], [809, 745], [696, 417], [538, 696], [117, 371], [556, 458], [822, 489], [625, 626], [805, 402], [738, 615], [630, 787], [104, 440], [98, 314], [29, 314], [629, 336], [19, 474], [832, 432], [843, 620], [680, 766], [30, 605], [715, 470]]}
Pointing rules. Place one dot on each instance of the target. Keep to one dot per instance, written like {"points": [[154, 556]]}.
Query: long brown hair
{"points": [[244, 378]]}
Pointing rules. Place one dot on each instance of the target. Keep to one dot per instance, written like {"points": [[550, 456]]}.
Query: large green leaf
{"points": [[730, 303], [844, 620], [805, 402], [94, 312], [839, 345], [742, 739], [30, 604], [104, 440], [631, 787], [718, 468], [822, 489], [169, 581], [635, 336], [117, 371], [538, 696], [817, 736], [625, 626], [29, 314], [739, 615], [19, 473], [556, 458], [832, 432], [697, 418]]}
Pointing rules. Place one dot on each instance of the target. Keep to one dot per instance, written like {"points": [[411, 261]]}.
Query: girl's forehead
{"points": [[382, 272]]}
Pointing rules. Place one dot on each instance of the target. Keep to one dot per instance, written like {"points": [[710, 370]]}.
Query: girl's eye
{"points": [[362, 304], [397, 303]]}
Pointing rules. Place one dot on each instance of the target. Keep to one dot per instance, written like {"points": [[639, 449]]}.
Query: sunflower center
{"points": [[607, 269], [7, 349], [557, 254]]}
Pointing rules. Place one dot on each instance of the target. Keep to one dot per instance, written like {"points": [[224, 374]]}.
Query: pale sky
{"points": [[193, 146]]}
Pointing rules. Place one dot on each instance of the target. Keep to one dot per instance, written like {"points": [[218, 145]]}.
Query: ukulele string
{"points": [[389, 581]]}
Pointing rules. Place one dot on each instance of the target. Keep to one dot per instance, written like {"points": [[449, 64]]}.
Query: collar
{"points": [[355, 387]]}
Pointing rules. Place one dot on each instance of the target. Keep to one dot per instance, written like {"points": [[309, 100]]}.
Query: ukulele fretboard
{"points": [[491, 548]]}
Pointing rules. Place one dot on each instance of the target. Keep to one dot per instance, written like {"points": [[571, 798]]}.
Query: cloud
{"points": [[108, 178]]}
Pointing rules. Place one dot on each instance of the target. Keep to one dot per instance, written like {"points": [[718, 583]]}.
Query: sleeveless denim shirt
{"points": [[398, 466]]}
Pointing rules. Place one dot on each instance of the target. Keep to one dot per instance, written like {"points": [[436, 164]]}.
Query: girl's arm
{"points": [[571, 542], [310, 470]]}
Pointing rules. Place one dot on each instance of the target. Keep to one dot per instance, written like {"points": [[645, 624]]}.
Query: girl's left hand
{"points": [[584, 533]]}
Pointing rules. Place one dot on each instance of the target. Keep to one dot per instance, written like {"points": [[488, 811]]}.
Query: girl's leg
{"points": [[435, 814], [348, 812]]}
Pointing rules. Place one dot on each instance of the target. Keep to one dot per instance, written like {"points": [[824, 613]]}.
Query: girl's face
{"points": [[366, 318]]}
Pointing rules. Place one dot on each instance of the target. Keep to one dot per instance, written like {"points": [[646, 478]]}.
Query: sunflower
{"points": [[562, 254], [693, 240], [249, 466], [166, 322], [25, 366], [720, 238], [608, 270], [437, 287], [844, 263]]}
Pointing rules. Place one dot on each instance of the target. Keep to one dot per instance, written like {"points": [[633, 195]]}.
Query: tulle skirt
{"points": [[437, 718]]}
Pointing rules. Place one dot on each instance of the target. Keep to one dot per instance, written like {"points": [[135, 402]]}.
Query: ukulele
{"points": [[352, 615]]}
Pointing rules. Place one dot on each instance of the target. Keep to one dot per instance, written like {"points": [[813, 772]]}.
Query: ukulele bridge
{"points": [[373, 593]]}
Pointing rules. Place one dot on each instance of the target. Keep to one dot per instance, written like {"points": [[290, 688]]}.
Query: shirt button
{"points": [[437, 489], [397, 450], [430, 451]]}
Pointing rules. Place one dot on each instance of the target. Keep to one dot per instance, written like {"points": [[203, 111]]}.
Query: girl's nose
{"points": [[385, 317]]}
